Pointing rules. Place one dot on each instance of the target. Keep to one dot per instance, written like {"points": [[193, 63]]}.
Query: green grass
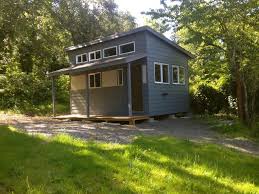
{"points": [[230, 126], [148, 165]]}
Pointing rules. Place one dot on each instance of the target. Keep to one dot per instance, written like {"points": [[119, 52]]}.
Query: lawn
{"points": [[148, 165]]}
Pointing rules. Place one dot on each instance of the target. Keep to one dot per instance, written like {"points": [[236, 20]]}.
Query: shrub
{"points": [[30, 93], [208, 100]]}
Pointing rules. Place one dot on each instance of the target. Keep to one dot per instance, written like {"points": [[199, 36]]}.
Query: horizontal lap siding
{"points": [[108, 101], [177, 98], [78, 102]]}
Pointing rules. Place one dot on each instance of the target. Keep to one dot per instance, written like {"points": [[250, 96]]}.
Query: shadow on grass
{"points": [[149, 164], [226, 161]]}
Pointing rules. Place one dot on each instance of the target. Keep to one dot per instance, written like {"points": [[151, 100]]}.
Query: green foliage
{"points": [[148, 165], [208, 100], [33, 35]]}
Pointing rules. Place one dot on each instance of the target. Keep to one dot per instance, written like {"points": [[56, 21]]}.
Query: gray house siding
{"points": [[177, 98], [140, 46], [158, 99], [78, 102], [109, 100]]}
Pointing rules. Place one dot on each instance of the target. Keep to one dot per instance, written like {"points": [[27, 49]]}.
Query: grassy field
{"points": [[148, 165]]}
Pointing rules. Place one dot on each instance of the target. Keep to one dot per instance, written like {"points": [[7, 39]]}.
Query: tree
{"points": [[225, 32], [33, 35]]}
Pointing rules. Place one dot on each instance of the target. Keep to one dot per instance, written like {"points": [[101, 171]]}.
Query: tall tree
{"points": [[222, 30]]}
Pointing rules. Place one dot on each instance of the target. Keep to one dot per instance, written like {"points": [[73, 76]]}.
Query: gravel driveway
{"points": [[186, 128]]}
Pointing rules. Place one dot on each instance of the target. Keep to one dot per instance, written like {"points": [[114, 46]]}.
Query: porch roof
{"points": [[97, 65]]}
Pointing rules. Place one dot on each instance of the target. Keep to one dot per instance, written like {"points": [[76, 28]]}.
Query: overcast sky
{"points": [[135, 7]]}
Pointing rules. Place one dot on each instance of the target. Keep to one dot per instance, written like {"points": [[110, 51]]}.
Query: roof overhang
{"points": [[97, 65]]}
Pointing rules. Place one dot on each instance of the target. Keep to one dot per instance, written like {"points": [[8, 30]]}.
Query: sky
{"points": [[135, 7]]}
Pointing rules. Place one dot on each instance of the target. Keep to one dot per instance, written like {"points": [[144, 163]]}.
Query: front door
{"points": [[136, 87]]}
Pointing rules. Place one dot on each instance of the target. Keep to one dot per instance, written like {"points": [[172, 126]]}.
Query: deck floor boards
{"points": [[130, 119]]}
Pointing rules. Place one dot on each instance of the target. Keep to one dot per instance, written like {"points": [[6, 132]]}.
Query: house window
{"points": [[95, 55], [110, 52], [94, 80], [178, 75], [127, 48], [81, 58], [161, 73]]}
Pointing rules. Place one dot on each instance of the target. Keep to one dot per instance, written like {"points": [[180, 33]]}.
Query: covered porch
{"points": [[125, 103]]}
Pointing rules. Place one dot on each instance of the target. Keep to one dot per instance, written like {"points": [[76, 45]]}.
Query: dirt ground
{"points": [[185, 128]]}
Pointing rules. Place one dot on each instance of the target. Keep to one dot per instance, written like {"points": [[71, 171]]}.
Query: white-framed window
{"points": [[161, 73], [95, 55], [178, 74], [94, 80], [127, 48], [110, 52], [82, 58]]}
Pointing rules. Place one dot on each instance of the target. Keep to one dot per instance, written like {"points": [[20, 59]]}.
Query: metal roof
{"points": [[97, 65], [118, 35]]}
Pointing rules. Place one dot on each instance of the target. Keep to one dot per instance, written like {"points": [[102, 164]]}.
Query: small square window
{"points": [[94, 80], [161, 73], [95, 55], [81, 58], [178, 75]]}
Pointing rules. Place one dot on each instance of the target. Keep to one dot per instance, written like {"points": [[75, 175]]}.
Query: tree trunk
{"points": [[240, 97], [252, 114], [241, 91], [246, 108], [251, 104]]}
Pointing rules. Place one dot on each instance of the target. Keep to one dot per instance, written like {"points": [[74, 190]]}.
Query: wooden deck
{"points": [[129, 119]]}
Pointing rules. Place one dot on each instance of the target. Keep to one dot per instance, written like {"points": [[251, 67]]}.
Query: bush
{"points": [[208, 100], [30, 93]]}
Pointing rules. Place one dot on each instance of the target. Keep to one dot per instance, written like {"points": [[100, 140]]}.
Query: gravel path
{"points": [[185, 128]]}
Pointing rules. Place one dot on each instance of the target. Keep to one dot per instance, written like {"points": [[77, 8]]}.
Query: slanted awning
{"points": [[97, 65]]}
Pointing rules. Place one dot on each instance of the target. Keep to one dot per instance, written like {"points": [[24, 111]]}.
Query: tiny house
{"points": [[139, 72]]}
